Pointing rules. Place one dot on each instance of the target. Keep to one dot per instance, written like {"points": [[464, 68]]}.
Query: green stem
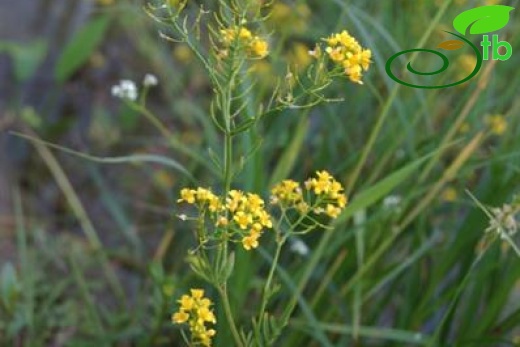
{"points": [[265, 297], [228, 162], [229, 315]]}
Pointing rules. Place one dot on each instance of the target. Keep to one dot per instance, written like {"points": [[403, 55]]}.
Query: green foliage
{"points": [[80, 47], [101, 257], [26, 57]]}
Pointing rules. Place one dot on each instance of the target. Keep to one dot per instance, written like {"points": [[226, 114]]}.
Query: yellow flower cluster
{"points": [[345, 51], [288, 193], [242, 212], [329, 191], [201, 197], [247, 212], [497, 123], [330, 198], [195, 309], [289, 19], [255, 46]]}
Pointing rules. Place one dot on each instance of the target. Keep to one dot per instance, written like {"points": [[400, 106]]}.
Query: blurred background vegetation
{"points": [[91, 252]]}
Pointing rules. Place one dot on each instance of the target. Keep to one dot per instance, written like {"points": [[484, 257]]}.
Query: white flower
{"points": [[150, 80], [299, 247], [503, 221], [126, 89]]}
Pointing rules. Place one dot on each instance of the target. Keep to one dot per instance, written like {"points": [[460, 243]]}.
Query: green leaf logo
{"points": [[482, 20]]}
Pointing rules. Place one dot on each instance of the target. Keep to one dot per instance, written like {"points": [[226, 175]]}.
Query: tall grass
{"points": [[107, 266]]}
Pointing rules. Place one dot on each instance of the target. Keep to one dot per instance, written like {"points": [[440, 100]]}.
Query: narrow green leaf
{"points": [[289, 156], [81, 47], [129, 159], [9, 285], [26, 57], [371, 195]]}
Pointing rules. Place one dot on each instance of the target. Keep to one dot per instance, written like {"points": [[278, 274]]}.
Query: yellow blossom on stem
{"points": [[287, 193], [329, 196], [202, 197], [258, 47], [254, 46], [329, 191], [346, 52], [195, 310], [247, 212], [250, 241], [497, 123]]}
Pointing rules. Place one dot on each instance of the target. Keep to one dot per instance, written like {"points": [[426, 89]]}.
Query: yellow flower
{"points": [[180, 317], [329, 191], [449, 194], [336, 55], [243, 219], [183, 53], [255, 201], [222, 221], [466, 63], [249, 242], [235, 199], [345, 51], [254, 46], [299, 56], [204, 197], [464, 128], [186, 302], [244, 34], [289, 19], [206, 315], [241, 214], [287, 191], [366, 56], [197, 294], [497, 123], [332, 211], [258, 47], [247, 212], [195, 310], [265, 219], [187, 195]]}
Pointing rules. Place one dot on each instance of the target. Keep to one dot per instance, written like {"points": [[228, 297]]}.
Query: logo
{"points": [[477, 21]]}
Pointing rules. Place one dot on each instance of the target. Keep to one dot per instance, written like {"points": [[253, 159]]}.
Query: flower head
{"points": [[346, 52], [497, 123], [202, 197], [195, 310], [248, 215], [126, 89], [329, 193], [254, 46], [324, 195], [150, 80]]}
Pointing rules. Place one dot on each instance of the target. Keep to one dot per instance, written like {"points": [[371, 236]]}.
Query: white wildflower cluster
{"points": [[126, 89], [504, 221], [150, 80]]}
